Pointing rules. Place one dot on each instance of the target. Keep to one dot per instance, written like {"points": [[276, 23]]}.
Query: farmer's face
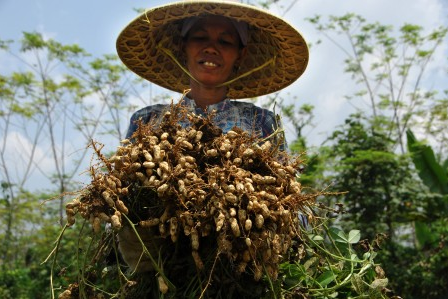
{"points": [[212, 48]]}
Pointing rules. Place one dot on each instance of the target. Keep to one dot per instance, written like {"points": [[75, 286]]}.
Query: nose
{"points": [[211, 48]]}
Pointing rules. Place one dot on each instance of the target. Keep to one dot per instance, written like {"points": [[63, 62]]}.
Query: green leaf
{"points": [[423, 234], [433, 175], [354, 236], [431, 172], [317, 238], [309, 263], [326, 278], [32, 40], [338, 235], [294, 273], [366, 255], [355, 258]]}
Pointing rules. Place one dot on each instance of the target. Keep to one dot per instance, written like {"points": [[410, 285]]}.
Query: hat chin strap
{"points": [[170, 54]]}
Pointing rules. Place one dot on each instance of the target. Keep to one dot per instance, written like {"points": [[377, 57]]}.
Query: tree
{"points": [[382, 192], [390, 70], [51, 107]]}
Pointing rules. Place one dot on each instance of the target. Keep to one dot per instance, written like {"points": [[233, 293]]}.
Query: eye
{"points": [[226, 42], [198, 37]]}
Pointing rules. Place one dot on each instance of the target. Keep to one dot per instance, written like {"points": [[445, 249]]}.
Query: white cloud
{"points": [[20, 153], [32, 164]]}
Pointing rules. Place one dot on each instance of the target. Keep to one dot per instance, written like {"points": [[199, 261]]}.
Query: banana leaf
{"points": [[433, 175]]}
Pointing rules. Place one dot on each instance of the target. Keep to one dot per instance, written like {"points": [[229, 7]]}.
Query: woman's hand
{"points": [[136, 254]]}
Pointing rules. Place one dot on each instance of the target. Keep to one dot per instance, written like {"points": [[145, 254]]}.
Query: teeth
{"points": [[208, 63]]}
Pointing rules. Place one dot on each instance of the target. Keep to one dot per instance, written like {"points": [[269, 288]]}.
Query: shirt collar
{"points": [[224, 104]]}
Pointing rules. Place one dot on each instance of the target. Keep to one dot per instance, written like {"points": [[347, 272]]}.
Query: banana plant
{"points": [[435, 176]]}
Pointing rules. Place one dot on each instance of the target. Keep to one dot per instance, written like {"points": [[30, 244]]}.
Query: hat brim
{"points": [[139, 47]]}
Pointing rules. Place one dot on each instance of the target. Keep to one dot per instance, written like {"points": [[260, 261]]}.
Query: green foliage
{"points": [[435, 177], [433, 174], [385, 193], [16, 211], [16, 284], [50, 109], [431, 232], [33, 41], [334, 265], [382, 192], [22, 273], [326, 262], [384, 198]]}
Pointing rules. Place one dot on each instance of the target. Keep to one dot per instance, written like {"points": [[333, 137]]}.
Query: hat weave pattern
{"points": [[140, 45]]}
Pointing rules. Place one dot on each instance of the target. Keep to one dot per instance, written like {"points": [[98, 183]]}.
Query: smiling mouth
{"points": [[209, 63]]}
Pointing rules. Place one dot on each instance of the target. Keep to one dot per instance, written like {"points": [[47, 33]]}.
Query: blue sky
{"points": [[93, 24]]}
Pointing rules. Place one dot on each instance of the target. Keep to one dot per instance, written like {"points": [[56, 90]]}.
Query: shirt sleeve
{"points": [[269, 124], [145, 114], [132, 125]]}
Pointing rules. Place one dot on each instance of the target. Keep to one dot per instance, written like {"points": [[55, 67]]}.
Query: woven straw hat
{"points": [[277, 54]]}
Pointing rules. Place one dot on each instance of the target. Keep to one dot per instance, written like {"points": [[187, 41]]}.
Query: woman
{"points": [[214, 52], [217, 52]]}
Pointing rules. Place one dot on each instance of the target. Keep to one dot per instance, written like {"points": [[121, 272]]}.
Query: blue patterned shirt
{"points": [[229, 114]]}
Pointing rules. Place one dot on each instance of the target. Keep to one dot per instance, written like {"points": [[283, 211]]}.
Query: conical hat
{"points": [[277, 54]]}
